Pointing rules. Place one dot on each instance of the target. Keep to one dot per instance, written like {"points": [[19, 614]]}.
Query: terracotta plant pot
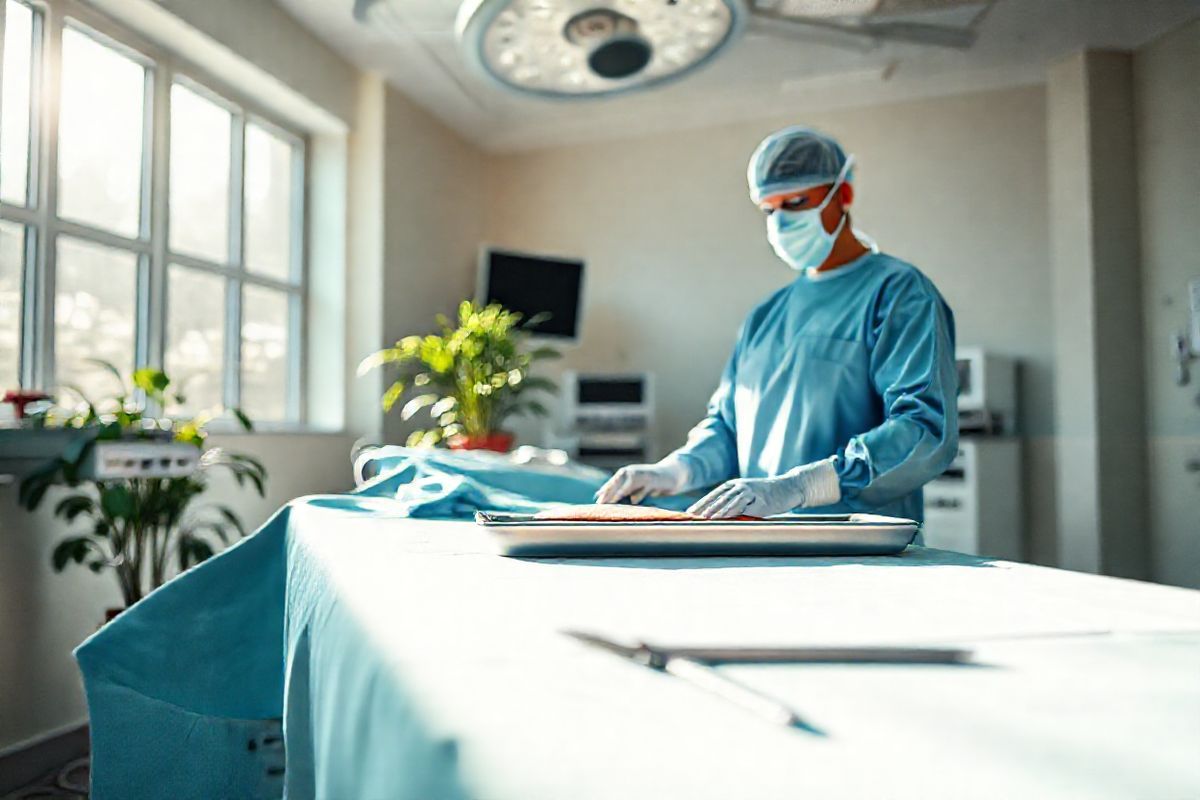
{"points": [[497, 442], [109, 615]]}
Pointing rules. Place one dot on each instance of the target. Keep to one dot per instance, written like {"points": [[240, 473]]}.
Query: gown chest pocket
{"points": [[838, 351], [807, 363], [829, 373], [824, 365]]}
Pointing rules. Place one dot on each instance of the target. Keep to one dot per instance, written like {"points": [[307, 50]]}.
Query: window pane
{"points": [[100, 135], [268, 203], [14, 122], [12, 258], [265, 343], [195, 337], [96, 290], [200, 132]]}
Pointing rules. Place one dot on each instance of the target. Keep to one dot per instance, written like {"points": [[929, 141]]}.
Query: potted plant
{"points": [[137, 527], [471, 378]]}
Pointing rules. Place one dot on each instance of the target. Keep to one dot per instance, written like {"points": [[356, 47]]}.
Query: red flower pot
{"points": [[497, 442], [18, 399]]}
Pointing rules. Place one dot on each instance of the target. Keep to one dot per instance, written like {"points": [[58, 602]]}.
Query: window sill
{"points": [[23, 450], [224, 428]]}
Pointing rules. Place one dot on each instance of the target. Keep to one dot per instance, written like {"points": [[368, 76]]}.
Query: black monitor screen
{"points": [[964, 375], [593, 390], [532, 285]]}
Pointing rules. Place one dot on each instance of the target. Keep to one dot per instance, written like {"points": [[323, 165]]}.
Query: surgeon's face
{"points": [[812, 198]]}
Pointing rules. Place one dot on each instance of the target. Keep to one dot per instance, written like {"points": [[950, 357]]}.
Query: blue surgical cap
{"points": [[792, 160]]}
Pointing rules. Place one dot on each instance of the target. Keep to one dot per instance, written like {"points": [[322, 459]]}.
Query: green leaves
{"points": [[392, 395], [151, 381], [437, 353], [242, 419], [243, 467], [91, 414], [116, 501], [192, 550], [136, 525], [430, 438], [72, 506], [538, 319], [76, 549], [543, 353], [234, 521], [443, 406], [190, 433], [470, 376], [540, 385], [35, 485], [404, 351], [536, 408], [416, 404]]}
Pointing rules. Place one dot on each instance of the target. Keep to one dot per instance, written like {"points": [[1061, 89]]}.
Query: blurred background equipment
{"points": [[976, 506], [1185, 347], [141, 458], [987, 393], [608, 419]]}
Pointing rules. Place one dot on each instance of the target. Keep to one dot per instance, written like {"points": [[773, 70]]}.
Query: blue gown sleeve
{"points": [[913, 370], [710, 454]]}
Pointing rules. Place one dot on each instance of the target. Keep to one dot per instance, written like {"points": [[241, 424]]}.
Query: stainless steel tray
{"points": [[799, 535]]}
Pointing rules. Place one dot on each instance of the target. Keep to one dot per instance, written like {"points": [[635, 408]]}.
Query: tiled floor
{"points": [[69, 782]]}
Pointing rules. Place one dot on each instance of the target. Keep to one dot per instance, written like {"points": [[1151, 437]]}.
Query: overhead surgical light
{"points": [[600, 48], [590, 48]]}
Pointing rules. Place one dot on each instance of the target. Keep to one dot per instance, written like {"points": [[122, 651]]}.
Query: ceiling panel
{"points": [[758, 76]]}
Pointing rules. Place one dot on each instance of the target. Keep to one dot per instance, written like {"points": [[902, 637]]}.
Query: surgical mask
{"points": [[799, 237]]}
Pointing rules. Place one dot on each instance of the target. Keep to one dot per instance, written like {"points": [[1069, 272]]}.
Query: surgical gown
{"points": [[855, 363]]}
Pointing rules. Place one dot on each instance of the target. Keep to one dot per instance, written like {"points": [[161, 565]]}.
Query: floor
{"points": [[68, 782]]}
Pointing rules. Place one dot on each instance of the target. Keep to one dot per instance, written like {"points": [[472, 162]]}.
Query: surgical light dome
{"points": [[591, 48]]}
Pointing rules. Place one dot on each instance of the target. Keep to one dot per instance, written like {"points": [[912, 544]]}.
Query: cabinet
{"points": [[976, 505]]}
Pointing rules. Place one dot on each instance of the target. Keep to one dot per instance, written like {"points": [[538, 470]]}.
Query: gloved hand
{"points": [[638, 481], [811, 485]]}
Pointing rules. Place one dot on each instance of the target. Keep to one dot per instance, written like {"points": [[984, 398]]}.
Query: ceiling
{"points": [[759, 75]]}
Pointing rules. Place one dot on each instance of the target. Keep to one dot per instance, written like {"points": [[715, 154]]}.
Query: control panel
{"points": [[118, 460]]}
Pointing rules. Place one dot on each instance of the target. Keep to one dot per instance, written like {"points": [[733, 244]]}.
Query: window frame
{"points": [[44, 226]]}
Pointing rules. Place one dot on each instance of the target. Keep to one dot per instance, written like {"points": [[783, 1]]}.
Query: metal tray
{"points": [[799, 535]]}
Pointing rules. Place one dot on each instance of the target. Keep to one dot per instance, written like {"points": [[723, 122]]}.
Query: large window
{"points": [[148, 216]]}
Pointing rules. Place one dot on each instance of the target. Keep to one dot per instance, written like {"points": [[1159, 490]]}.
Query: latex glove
{"points": [[811, 485], [639, 481]]}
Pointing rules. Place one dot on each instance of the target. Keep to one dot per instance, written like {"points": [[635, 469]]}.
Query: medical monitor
{"points": [[534, 284]]}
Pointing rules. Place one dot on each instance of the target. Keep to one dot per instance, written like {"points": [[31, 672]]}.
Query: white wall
{"points": [[264, 34], [677, 254], [1099, 416], [366, 227], [1168, 135], [435, 202]]}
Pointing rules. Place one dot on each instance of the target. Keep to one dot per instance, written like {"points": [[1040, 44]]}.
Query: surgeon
{"points": [[840, 395]]}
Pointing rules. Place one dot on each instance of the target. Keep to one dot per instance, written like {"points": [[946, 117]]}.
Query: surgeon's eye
{"points": [[768, 210], [794, 203]]}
